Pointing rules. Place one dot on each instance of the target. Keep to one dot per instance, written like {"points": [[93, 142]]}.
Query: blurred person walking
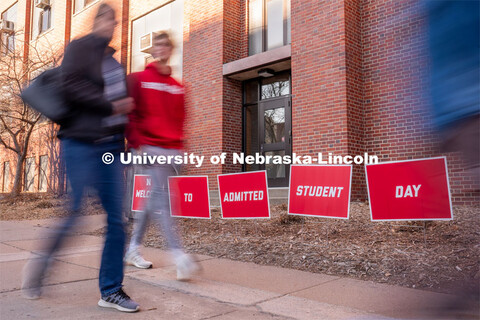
{"points": [[454, 40], [156, 128], [454, 43], [95, 90]]}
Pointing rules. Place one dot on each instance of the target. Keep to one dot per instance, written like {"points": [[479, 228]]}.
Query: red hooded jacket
{"points": [[159, 113]]}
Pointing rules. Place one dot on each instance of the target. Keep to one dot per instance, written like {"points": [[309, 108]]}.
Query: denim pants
{"points": [[158, 205], [84, 168]]}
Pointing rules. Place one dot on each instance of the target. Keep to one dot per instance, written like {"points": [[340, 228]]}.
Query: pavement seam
{"points": [[191, 293], [12, 246], [289, 293], [254, 305], [260, 311], [52, 284], [219, 315], [74, 264]]}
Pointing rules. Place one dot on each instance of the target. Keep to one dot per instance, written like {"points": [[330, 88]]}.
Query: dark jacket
{"points": [[83, 88]]}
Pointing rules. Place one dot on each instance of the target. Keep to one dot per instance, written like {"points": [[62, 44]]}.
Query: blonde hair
{"points": [[163, 35]]}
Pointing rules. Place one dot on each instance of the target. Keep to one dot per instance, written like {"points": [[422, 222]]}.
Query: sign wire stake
{"points": [[303, 230], [236, 231], [328, 241], [425, 233]]}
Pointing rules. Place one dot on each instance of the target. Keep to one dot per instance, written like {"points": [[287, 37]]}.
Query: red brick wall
{"points": [[235, 46], [68, 21], [395, 66], [125, 26], [357, 81], [319, 86], [235, 30], [202, 75], [46, 44], [28, 19], [355, 112]]}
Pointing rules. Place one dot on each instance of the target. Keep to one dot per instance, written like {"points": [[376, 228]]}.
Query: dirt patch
{"points": [[35, 206], [441, 259]]}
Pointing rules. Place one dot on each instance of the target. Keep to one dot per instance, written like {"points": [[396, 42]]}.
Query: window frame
{"points": [[7, 36], [265, 25], [41, 14], [5, 182], [42, 173], [26, 170], [84, 7]]}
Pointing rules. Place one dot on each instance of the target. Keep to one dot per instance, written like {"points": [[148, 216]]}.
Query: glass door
{"points": [[275, 137], [267, 124]]}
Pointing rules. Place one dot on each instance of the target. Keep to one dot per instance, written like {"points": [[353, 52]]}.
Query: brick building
{"points": [[276, 77]]}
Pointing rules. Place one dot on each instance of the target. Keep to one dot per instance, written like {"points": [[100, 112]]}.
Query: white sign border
{"points": [[321, 165], [220, 195], [402, 161], [189, 217]]}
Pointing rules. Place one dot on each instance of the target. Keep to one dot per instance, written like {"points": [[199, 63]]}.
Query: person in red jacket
{"points": [[156, 128]]}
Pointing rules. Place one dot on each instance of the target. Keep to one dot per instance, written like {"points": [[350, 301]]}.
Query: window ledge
{"points": [[242, 69], [84, 8], [43, 33]]}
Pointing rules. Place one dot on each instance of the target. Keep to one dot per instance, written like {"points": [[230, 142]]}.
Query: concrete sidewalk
{"points": [[225, 289]]}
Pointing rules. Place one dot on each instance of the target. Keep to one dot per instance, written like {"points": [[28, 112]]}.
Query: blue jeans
{"points": [[84, 168]]}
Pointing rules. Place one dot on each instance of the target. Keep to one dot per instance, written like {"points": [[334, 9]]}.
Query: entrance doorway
{"points": [[268, 125]]}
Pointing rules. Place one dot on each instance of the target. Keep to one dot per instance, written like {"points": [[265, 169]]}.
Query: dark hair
{"points": [[103, 9], [163, 35]]}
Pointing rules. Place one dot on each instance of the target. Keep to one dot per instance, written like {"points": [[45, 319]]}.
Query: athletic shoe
{"points": [[32, 278], [186, 268], [120, 301], [134, 258], [32, 293]]}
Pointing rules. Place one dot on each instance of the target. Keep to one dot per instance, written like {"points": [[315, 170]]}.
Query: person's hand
{"points": [[123, 106]]}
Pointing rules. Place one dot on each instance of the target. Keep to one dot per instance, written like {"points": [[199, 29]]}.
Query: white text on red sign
{"points": [[401, 192], [318, 191], [243, 196]]}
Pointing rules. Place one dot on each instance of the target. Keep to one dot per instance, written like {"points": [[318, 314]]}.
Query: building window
{"points": [[269, 25], [45, 19], [29, 174], [42, 17], [80, 4], [42, 181], [166, 18], [6, 176], [7, 31]]}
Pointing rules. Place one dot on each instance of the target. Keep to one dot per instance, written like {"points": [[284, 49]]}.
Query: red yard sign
{"points": [[320, 190], [409, 190], [142, 185], [189, 197], [244, 195]]}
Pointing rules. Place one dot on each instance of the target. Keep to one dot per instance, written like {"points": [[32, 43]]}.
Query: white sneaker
{"points": [[135, 259], [32, 278], [186, 268]]}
